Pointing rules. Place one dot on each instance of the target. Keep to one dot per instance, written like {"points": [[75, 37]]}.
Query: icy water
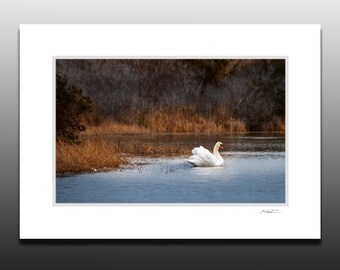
{"points": [[253, 172]]}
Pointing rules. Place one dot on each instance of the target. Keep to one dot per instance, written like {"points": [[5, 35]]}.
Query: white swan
{"points": [[204, 158]]}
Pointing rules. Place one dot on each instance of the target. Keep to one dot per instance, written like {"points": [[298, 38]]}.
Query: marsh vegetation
{"points": [[100, 100]]}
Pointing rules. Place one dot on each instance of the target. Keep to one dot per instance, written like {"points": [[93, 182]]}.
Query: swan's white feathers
{"points": [[200, 151], [202, 157], [205, 161]]}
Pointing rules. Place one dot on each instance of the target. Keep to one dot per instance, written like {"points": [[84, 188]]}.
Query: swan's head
{"points": [[220, 145]]}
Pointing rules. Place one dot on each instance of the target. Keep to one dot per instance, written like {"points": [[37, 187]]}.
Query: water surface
{"points": [[253, 172]]}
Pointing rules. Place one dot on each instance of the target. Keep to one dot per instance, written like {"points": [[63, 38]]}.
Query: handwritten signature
{"points": [[270, 211]]}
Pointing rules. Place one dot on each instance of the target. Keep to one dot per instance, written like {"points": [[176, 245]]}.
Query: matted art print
{"points": [[137, 130], [170, 131]]}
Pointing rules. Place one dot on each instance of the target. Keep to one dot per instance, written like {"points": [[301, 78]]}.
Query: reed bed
{"points": [[109, 127], [90, 155], [98, 153], [136, 148], [181, 120], [176, 121]]}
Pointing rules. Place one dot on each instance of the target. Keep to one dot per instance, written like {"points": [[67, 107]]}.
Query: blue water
{"points": [[246, 177]]}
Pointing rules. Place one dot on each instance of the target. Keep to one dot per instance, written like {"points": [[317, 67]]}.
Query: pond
{"points": [[253, 172]]}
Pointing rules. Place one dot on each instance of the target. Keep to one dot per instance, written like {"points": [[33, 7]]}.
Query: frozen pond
{"points": [[253, 172]]}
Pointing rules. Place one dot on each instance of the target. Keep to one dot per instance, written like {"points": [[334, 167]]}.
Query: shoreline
{"points": [[99, 152]]}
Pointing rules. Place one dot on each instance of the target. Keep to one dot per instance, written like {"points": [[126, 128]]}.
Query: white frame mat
{"points": [[299, 218]]}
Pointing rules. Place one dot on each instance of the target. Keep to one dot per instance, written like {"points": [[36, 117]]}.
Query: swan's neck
{"points": [[216, 153]]}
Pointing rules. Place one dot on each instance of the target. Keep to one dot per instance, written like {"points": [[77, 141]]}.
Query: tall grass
{"points": [[96, 152], [176, 121], [89, 155], [180, 121], [236, 125], [137, 148], [110, 128], [276, 125]]}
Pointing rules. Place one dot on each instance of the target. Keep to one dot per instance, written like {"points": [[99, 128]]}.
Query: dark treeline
{"points": [[71, 104], [131, 91]]}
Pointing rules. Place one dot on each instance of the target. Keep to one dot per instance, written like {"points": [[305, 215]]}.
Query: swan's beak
{"points": [[221, 147]]}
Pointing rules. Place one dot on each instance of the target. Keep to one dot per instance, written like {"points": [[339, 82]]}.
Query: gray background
{"points": [[174, 254]]}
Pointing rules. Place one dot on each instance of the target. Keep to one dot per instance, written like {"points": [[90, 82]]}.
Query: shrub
{"points": [[70, 105]]}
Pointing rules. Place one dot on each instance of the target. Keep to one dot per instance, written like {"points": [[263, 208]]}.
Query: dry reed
{"points": [[97, 153], [137, 148], [109, 128], [90, 155], [182, 121], [176, 121]]}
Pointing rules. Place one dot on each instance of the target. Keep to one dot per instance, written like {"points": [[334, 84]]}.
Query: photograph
{"points": [[170, 130], [191, 135], [153, 132]]}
